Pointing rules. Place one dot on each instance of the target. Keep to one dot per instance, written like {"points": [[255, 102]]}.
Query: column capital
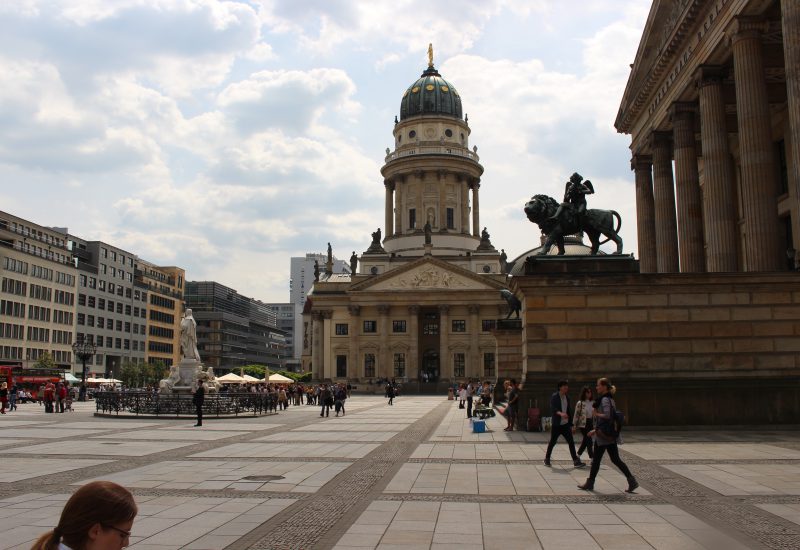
{"points": [[475, 184], [316, 315], [444, 309], [706, 75], [383, 309], [413, 310], [474, 309], [660, 139], [641, 162], [327, 313], [355, 311], [744, 27], [419, 174], [683, 110], [389, 184]]}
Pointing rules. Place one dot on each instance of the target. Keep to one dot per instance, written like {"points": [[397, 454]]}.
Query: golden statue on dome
{"points": [[430, 55]]}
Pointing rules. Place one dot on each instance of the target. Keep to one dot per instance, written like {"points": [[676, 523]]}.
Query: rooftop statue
{"points": [[428, 231], [514, 305], [354, 263], [572, 217]]}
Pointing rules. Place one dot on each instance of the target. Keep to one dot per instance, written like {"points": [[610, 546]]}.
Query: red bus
{"points": [[29, 380]]}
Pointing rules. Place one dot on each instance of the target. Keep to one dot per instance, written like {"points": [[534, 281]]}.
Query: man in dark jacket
{"points": [[561, 424], [198, 399]]}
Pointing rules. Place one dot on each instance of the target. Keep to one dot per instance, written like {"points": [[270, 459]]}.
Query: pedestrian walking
{"points": [[326, 400], [3, 397], [470, 397], [582, 420], [98, 515], [513, 405], [61, 389], [606, 436], [390, 393], [198, 399], [13, 393], [561, 425]]}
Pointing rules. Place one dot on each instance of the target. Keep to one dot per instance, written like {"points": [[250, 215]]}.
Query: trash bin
{"points": [[478, 426], [450, 394]]}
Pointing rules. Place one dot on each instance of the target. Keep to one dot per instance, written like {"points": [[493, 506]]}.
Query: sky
{"points": [[226, 137]]}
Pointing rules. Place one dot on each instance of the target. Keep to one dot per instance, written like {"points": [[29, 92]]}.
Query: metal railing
{"points": [[433, 150], [146, 403]]}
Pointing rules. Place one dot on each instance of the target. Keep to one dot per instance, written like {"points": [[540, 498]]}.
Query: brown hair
{"points": [[607, 384], [584, 391], [102, 502]]}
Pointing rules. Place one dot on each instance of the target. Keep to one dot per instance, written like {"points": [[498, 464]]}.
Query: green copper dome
{"points": [[430, 95]]}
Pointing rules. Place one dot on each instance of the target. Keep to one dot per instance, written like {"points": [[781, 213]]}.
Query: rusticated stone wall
{"points": [[683, 349]]}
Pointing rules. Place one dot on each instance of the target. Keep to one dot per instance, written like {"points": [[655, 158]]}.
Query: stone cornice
{"points": [[646, 74]]}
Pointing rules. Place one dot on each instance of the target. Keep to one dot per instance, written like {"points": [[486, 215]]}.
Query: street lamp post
{"points": [[84, 351]]}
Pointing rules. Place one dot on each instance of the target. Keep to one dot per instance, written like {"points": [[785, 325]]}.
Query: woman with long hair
{"points": [[98, 516], [582, 420], [605, 437]]}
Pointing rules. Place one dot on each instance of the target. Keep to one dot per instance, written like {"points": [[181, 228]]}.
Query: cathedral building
{"points": [[421, 303]]}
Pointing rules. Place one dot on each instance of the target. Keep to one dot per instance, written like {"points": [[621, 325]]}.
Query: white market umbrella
{"points": [[280, 379], [230, 378], [250, 379], [69, 377]]}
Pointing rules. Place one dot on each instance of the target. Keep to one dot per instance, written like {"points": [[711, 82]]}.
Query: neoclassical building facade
{"points": [[713, 109], [422, 303]]}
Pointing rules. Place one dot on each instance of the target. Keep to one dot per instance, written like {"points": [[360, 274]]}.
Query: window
{"points": [[341, 366], [412, 218], [459, 363], [459, 325], [400, 365], [91, 301], [370, 326], [111, 306], [119, 307], [109, 342], [487, 325], [92, 282], [127, 310], [109, 324], [488, 364], [90, 320], [341, 329], [112, 288], [118, 343], [450, 216], [83, 280], [430, 324], [119, 326], [398, 326], [81, 299], [81, 319], [369, 365]]}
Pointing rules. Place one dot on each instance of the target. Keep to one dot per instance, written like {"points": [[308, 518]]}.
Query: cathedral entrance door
{"points": [[430, 366]]}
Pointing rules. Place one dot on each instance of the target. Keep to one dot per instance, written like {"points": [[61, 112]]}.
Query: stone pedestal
{"points": [[189, 370]]}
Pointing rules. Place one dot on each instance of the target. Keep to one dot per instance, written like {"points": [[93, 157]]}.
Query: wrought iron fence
{"points": [[146, 403]]}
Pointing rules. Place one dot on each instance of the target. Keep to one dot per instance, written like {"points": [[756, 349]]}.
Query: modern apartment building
{"points": [[111, 312], [285, 322], [234, 330], [37, 296], [162, 288], [300, 282]]}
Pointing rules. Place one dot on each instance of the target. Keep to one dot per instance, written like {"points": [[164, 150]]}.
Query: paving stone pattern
{"points": [[413, 475]]}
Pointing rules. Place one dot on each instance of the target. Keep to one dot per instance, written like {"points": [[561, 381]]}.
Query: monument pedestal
{"points": [[189, 370]]}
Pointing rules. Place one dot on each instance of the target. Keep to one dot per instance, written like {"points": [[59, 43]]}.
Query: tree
{"points": [[159, 371], [255, 370], [45, 361], [129, 373]]}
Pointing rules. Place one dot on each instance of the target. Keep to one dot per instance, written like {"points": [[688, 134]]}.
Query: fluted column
{"points": [[445, 364], [356, 360], [464, 206], [412, 366], [328, 363], [719, 209], [389, 207], [687, 189], [472, 369], [790, 20], [664, 199], [399, 207], [759, 176], [441, 179], [383, 337], [476, 219], [316, 345], [642, 165]]}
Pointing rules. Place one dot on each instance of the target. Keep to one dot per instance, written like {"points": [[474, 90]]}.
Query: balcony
{"points": [[433, 150]]}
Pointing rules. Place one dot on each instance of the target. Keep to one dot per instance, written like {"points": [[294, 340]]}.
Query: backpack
{"points": [[613, 426]]}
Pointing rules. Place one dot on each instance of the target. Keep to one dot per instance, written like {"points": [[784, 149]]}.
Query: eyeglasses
{"points": [[125, 534]]}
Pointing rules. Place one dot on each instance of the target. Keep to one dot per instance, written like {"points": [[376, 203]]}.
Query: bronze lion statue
{"points": [[542, 210]]}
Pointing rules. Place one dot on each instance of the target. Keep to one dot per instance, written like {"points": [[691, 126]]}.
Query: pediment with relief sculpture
{"points": [[429, 275]]}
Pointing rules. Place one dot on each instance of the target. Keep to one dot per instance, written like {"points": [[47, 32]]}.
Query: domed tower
{"points": [[431, 173]]}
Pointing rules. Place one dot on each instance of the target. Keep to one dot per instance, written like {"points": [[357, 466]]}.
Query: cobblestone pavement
{"points": [[413, 475]]}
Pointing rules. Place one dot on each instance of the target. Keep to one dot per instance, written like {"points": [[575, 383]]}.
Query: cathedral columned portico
{"points": [[714, 89]]}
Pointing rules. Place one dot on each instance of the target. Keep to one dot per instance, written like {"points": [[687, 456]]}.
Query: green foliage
{"points": [[45, 361], [159, 371], [140, 375], [296, 376], [254, 370]]}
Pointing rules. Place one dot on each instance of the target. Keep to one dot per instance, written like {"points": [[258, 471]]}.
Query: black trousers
{"points": [[613, 454], [326, 409], [586, 443], [199, 409], [469, 406], [561, 431]]}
